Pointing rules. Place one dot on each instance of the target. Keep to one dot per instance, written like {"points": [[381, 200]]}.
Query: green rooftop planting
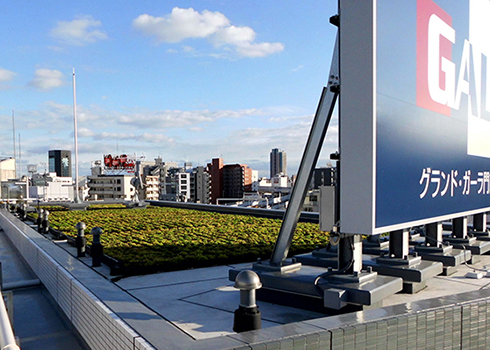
{"points": [[166, 239]]}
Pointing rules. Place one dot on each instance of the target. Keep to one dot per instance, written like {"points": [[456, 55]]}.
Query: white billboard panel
{"points": [[415, 112]]}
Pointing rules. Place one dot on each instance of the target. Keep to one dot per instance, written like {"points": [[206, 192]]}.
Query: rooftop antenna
{"points": [[20, 160], [13, 136], [75, 133]]}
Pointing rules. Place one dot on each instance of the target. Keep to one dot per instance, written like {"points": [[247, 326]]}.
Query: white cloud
{"points": [[178, 119], [47, 79], [187, 48], [79, 32], [6, 75], [182, 24], [241, 136], [298, 68], [233, 35], [85, 132], [259, 50]]}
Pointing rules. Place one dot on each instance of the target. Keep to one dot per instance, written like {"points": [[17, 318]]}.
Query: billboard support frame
{"points": [[309, 159]]}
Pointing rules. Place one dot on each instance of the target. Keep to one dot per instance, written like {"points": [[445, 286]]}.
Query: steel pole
{"points": [[308, 162], [77, 200]]}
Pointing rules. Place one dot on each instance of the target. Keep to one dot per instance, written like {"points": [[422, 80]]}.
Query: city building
{"points": [[51, 187], [200, 185], [215, 169], [151, 188], [60, 162], [323, 177], [177, 186], [103, 187], [230, 180], [278, 162], [278, 184], [7, 169]]}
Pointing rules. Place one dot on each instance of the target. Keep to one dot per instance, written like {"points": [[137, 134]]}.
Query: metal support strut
{"points": [[308, 161]]}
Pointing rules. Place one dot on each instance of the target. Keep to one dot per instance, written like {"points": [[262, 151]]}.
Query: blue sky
{"points": [[184, 80]]}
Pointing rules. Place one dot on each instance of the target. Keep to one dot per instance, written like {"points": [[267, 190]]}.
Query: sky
{"points": [[184, 80]]}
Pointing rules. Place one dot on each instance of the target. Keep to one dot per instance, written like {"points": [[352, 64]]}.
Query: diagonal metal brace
{"points": [[308, 162]]}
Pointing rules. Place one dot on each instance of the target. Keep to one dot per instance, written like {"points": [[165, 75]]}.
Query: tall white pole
{"points": [[13, 134], [20, 160], [77, 199]]}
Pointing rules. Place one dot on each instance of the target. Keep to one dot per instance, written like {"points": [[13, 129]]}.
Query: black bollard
{"points": [[45, 223], [81, 241], [96, 249], [247, 316], [40, 220], [23, 216]]}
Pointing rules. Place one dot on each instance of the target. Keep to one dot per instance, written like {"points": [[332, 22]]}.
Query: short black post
{"points": [[247, 316], [399, 244], [45, 223], [480, 222], [40, 214], [96, 250], [433, 234], [81, 240], [23, 216], [460, 227]]}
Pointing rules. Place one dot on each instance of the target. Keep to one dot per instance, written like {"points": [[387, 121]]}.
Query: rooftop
{"points": [[182, 309]]}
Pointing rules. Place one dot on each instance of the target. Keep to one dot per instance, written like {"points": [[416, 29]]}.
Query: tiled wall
{"points": [[97, 324], [464, 326]]}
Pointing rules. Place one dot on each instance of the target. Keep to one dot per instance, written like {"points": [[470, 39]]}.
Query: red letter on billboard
{"points": [[436, 74]]}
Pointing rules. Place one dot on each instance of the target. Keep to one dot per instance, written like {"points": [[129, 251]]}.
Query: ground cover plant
{"points": [[166, 239]]}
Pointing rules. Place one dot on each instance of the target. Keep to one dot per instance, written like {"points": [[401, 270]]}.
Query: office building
{"points": [[278, 162], [60, 163]]}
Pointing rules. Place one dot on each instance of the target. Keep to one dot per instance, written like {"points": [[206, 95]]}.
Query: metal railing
{"points": [[7, 339]]}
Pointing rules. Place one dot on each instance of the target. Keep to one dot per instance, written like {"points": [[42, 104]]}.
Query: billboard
{"points": [[415, 112], [122, 162]]}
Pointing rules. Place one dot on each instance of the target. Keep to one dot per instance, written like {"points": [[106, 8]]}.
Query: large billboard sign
{"points": [[415, 112]]}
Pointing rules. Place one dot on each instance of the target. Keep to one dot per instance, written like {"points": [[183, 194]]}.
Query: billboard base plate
{"points": [[476, 247], [481, 235], [412, 269], [375, 246], [305, 288], [448, 257]]}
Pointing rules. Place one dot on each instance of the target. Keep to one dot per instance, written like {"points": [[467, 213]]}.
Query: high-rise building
{"points": [[278, 162], [230, 180], [237, 179], [60, 162], [216, 172], [200, 185]]}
